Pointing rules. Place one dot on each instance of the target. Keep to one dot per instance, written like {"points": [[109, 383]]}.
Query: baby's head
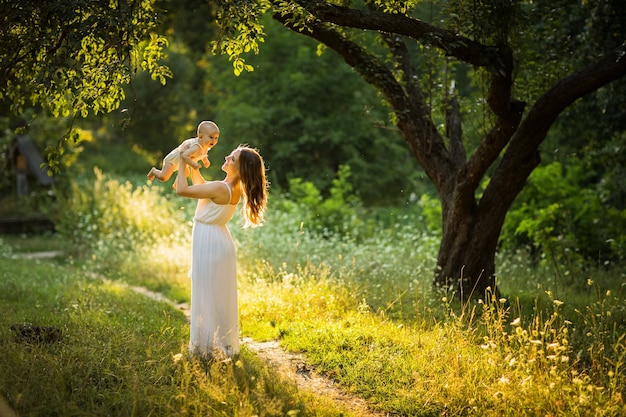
{"points": [[208, 133]]}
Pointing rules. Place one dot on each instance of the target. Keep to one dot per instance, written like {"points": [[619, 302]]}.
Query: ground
{"points": [[289, 365]]}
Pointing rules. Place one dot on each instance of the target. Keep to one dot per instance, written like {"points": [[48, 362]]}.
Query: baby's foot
{"points": [[151, 174]]}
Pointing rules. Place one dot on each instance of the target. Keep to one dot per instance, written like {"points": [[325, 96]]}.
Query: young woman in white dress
{"points": [[214, 312]]}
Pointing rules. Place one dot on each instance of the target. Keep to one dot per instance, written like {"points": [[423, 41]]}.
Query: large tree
{"points": [[482, 35]]}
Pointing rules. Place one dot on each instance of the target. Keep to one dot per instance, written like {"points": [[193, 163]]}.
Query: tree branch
{"points": [[429, 148], [522, 155], [454, 129], [400, 52], [491, 146], [451, 43], [499, 97]]}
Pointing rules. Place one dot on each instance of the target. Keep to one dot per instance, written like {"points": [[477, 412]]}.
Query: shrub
{"points": [[564, 222]]}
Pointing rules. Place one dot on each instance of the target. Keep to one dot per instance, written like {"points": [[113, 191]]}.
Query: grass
{"points": [[360, 307], [121, 354], [27, 243], [496, 366]]}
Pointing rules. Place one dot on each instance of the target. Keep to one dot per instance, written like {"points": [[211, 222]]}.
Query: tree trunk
{"points": [[466, 260]]}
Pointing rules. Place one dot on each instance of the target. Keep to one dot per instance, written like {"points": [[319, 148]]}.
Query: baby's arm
{"points": [[205, 161], [188, 155]]}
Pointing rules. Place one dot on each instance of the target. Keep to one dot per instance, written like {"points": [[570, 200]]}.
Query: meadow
{"points": [[353, 295]]}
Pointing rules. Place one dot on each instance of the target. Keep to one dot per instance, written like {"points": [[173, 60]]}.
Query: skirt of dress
{"points": [[214, 311]]}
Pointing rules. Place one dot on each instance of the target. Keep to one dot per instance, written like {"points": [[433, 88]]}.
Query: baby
{"points": [[191, 151]]}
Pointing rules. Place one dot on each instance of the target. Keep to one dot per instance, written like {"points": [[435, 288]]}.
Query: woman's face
{"points": [[231, 162]]}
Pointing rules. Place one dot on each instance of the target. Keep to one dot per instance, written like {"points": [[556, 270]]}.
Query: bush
{"points": [[563, 222]]}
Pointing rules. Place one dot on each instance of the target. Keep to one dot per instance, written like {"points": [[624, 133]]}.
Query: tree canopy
{"points": [[74, 57]]}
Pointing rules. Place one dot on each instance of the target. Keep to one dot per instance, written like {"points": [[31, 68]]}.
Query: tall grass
{"points": [[361, 307], [390, 268]]}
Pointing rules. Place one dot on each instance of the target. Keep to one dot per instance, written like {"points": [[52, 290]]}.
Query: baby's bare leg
{"points": [[162, 174], [153, 173]]}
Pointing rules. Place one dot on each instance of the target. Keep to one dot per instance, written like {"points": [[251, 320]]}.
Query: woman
{"points": [[214, 313]]}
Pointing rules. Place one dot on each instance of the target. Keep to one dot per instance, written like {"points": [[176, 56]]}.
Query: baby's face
{"points": [[209, 139]]}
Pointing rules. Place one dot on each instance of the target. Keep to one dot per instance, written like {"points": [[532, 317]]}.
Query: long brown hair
{"points": [[254, 185]]}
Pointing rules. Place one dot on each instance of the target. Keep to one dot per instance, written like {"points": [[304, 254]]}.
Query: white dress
{"points": [[214, 312]]}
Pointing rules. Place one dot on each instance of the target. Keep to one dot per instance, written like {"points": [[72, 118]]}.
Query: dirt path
{"points": [[290, 366]]}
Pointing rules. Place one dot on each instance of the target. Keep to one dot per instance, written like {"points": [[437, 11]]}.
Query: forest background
{"points": [[346, 196], [311, 115]]}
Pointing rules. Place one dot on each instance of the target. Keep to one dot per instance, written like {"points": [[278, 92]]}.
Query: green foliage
{"points": [[308, 94], [381, 258], [565, 222], [117, 227], [431, 212], [309, 114], [112, 215], [609, 161], [70, 61], [488, 21], [155, 117], [191, 22], [336, 214], [241, 31]]}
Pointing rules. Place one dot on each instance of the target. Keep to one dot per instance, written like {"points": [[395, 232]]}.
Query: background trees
{"points": [[311, 114], [74, 57], [452, 89]]}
